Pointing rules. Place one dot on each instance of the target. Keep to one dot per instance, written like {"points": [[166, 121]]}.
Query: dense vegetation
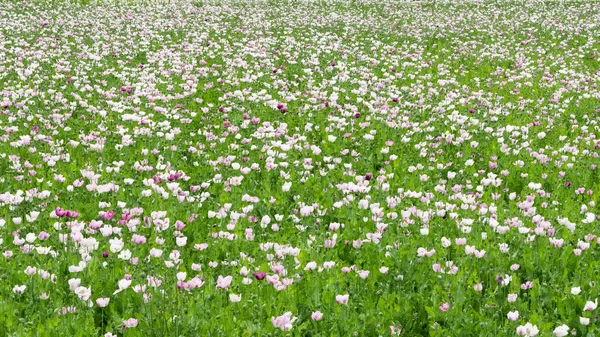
{"points": [[297, 168]]}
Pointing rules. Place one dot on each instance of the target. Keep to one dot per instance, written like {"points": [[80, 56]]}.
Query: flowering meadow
{"points": [[299, 168]]}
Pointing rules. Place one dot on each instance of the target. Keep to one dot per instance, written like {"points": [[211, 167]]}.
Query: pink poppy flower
{"points": [[444, 307], [224, 282], [130, 323], [342, 299], [284, 322]]}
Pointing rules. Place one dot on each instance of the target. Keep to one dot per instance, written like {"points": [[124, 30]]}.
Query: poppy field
{"points": [[299, 168]]}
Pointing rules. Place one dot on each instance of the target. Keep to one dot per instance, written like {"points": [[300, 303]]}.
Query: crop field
{"points": [[299, 168]]}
